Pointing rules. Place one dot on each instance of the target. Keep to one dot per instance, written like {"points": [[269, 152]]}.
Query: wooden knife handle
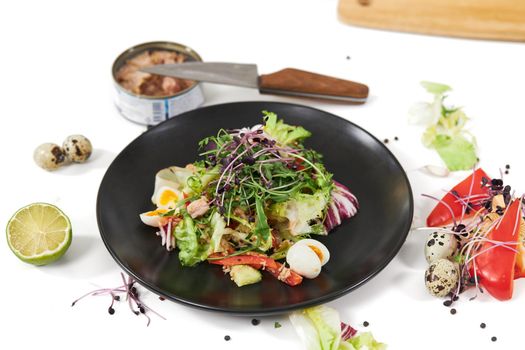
{"points": [[295, 82]]}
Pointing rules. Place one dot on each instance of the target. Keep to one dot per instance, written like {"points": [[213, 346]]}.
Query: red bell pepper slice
{"points": [[495, 265], [519, 271], [441, 214], [292, 279], [255, 260]]}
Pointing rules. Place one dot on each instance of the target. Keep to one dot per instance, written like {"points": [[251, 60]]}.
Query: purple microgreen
{"points": [[132, 296], [467, 206], [228, 167]]}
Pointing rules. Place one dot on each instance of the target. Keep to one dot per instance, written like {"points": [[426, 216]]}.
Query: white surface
{"points": [[55, 81]]}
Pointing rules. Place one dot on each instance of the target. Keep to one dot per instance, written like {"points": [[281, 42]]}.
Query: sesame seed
{"points": [[493, 338], [227, 337], [453, 311], [366, 324], [482, 325]]}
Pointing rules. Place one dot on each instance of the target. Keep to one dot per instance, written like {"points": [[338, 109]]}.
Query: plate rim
{"points": [[272, 310]]}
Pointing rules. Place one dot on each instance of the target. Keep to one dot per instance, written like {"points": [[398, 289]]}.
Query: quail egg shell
{"points": [[307, 256], [78, 148], [154, 218], [441, 277], [440, 246], [49, 156]]}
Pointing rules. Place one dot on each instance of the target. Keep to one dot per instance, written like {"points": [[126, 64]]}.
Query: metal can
{"points": [[149, 110]]}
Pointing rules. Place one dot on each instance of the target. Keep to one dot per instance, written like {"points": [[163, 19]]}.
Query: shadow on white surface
{"points": [[412, 285], [86, 258], [100, 159], [412, 252]]}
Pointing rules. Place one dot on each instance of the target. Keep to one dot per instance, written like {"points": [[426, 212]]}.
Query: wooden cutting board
{"points": [[482, 19]]}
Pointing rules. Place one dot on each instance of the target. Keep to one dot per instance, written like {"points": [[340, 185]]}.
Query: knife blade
{"points": [[289, 81]]}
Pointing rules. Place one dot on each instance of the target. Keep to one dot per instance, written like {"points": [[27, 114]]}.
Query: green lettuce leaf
{"points": [[445, 129], [435, 88], [190, 251], [363, 341], [318, 327], [285, 134], [218, 226], [302, 214], [457, 152], [328, 325]]}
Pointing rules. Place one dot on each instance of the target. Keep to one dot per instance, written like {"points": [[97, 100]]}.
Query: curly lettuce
{"points": [[445, 129], [190, 251], [286, 135], [319, 328], [302, 214]]}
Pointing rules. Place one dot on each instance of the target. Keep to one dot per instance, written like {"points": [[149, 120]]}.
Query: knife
{"points": [[289, 81]]}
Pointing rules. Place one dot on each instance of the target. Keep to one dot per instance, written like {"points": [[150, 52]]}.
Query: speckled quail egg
{"points": [[441, 277], [307, 256], [49, 156], [440, 246], [77, 148]]}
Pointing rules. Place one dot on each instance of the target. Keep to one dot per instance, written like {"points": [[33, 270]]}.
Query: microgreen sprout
{"points": [[474, 233], [130, 291]]}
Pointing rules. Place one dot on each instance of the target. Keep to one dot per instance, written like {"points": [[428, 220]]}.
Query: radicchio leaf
{"points": [[343, 205], [347, 331]]}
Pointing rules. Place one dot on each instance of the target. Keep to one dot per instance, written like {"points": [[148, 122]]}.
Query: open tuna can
{"points": [[148, 98]]}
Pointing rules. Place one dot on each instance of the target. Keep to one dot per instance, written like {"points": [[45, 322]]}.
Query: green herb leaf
{"points": [[194, 183], [262, 229], [168, 213], [277, 325]]}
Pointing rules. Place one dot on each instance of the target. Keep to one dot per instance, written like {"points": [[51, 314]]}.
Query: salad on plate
{"points": [[251, 203]]}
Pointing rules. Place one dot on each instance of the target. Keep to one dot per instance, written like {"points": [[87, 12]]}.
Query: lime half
{"points": [[39, 233]]}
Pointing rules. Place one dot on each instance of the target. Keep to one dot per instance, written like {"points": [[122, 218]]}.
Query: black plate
{"points": [[360, 248]]}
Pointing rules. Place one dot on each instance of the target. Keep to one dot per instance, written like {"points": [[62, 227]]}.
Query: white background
{"points": [[55, 61]]}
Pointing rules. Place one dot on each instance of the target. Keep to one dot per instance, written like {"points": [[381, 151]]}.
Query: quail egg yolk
{"points": [[154, 218], [317, 251], [156, 212], [167, 197]]}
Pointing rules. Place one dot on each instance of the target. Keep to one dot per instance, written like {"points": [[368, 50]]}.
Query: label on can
{"points": [[151, 111]]}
